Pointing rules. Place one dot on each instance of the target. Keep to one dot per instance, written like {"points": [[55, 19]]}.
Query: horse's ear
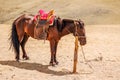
{"points": [[50, 13], [81, 23]]}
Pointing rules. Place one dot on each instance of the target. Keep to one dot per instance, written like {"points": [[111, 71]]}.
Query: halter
{"points": [[76, 33], [81, 36]]}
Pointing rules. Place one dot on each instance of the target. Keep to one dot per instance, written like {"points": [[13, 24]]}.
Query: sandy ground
{"points": [[102, 41], [90, 11], [102, 19]]}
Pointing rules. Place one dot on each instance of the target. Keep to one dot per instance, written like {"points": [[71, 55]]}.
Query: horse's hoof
{"points": [[17, 60], [52, 64], [57, 62], [26, 58]]}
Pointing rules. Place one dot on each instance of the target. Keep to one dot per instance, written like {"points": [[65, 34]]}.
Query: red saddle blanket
{"points": [[44, 16]]}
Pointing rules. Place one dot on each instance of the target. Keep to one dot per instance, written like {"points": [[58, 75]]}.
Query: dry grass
{"points": [[90, 11]]}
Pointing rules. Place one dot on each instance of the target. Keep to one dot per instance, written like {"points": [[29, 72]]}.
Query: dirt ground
{"points": [[102, 41], [102, 21]]}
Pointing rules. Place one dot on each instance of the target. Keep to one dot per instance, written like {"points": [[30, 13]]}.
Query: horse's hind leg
{"points": [[23, 47]]}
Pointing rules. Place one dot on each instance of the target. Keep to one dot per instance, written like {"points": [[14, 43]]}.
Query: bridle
{"points": [[76, 33]]}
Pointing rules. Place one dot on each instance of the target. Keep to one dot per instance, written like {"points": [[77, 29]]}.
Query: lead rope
{"points": [[85, 61]]}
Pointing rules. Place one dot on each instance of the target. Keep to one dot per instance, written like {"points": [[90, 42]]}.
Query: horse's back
{"points": [[24, 24], [24, 17]]}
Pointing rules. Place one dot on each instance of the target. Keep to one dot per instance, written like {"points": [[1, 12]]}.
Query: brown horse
{"points": [[62, 27], [26, 27]]}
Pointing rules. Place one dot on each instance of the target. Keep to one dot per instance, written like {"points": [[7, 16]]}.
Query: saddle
{"points": [[44, 16]]}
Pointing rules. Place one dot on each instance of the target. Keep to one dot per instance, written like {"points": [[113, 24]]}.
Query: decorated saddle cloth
{"points": [[44, 16]]}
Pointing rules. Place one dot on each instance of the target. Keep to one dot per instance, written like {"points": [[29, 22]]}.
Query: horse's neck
{"points": [[67, 30]]}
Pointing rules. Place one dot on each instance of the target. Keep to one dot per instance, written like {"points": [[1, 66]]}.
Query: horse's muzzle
{"points": [[82, 41]]}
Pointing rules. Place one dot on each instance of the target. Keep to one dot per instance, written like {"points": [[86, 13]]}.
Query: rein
{"points": [[76, 34]]}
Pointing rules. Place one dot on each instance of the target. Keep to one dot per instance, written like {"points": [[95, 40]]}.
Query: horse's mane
{"points": [[67, 21], [57, 24], [63, 23]]}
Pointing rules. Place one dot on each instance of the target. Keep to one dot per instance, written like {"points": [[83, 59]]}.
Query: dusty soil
{"points": [[103, 41]]}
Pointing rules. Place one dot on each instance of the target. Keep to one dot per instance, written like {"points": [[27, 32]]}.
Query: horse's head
{"points": [[80, 32], [42, 23]]}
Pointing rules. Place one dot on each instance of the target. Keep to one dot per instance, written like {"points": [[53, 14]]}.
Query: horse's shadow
{"points": [[34, 66]]}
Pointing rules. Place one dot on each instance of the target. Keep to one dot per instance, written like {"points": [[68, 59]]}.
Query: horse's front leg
{"points": [[55, 60], [53, 52]]}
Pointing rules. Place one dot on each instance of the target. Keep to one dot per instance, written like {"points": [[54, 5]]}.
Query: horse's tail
{"points": [[14, 42]]}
